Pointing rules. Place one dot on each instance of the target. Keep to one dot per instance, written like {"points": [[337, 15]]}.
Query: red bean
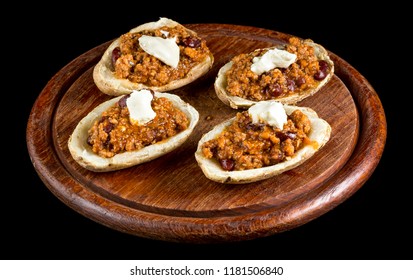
{"points": [[115, 55], [286, 135], [227, 164], [122, 101], [300, 81], [323, 70], [191, 42], [274, 90], [108, 127], [290, 85], [255, 126]]}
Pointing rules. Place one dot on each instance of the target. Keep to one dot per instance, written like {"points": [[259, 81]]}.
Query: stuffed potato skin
{"points": [[82, 152], [319, 135], [108, 82]]}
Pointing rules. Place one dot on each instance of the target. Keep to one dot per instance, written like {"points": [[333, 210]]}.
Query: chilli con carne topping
{"points": [[131, 62], [245, 145], [305, 73], [113, 133]]}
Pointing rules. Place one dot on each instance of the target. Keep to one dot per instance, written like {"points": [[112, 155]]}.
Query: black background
{"points": [[38, 41]]}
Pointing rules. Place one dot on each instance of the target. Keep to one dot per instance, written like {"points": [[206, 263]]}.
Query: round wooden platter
{"points": [[169, 198]]}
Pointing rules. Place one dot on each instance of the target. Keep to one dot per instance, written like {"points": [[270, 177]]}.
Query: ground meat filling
{"points": [[113, 133], [305, 73], [245, 145], [131, 62]]}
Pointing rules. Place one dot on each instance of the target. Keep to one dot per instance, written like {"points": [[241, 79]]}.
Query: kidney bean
{"points": [[286, 135], [300, 81], [227, 164], [323, 65], [255, 126], [274, 90], [108, 127], [323, 70], [291, 85], [122, 101], [115, 55], [191, 42]]}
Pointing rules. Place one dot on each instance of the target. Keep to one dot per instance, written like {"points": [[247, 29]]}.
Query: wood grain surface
{"points": [[169, 198]]}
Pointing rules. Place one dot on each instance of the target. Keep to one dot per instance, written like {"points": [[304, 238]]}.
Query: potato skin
{"points": [[236, 102], [83, 154], [107, 83], [320, 133]]}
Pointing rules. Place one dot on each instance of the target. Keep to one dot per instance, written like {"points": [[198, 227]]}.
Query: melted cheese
{"points": [[139, 106], [273, 58], [165, 50], [270, 112]]}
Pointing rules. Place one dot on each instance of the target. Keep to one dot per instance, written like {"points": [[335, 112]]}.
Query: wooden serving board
{"points": [[169, 198]]}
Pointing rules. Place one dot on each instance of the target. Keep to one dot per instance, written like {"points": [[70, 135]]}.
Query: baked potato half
{"points": [[218, 169], [288, 85], [131, 63], [81, 149]]}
